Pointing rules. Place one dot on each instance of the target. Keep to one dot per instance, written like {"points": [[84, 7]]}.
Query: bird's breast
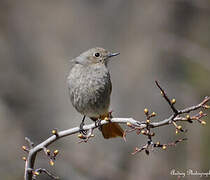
{"points": [[90, 89]]}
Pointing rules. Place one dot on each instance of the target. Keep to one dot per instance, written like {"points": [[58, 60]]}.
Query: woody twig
{"points": [[140, 127], [173, 119]]}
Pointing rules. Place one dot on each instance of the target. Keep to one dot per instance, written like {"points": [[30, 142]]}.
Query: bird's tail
{"points": [[112, 130]]}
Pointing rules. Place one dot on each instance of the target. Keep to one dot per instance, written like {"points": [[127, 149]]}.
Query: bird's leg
{"points": [[110, 114], [98, 123], [106, 117], [81, 130]]}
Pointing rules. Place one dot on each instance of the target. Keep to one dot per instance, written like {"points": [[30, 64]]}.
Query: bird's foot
{"points": [[98, 123], [81, 129], [85, 138]]}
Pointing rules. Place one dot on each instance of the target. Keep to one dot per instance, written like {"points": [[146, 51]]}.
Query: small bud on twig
{"points": [[24, 148], [173, 101], [35, 173], [55, 152], [146, 111], [143, 131], [106, 119], [179, 127], [81, 136], [55, 132], [164, 147], [203, 122], [152, 134], [153, 114], [48, 152], [24, 158], [206, 106], [51, 163]]}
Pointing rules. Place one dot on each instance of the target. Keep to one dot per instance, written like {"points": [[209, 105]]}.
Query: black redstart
{"points": [[90, 88]]}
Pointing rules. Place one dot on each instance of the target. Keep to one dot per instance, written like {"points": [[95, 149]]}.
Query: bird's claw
{"points": [[81, 130], [98, 123]]}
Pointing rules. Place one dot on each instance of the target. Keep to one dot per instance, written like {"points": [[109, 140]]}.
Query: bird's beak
{"points": [[113, 54]]}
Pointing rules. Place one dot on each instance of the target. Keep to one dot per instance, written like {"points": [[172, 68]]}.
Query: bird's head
{"points": [[94, 56]]}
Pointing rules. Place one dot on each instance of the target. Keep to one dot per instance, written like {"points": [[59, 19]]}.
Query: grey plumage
{"points": [[90, 88]]}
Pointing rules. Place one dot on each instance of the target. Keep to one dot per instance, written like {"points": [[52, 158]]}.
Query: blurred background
{"points": [[166, 40]]}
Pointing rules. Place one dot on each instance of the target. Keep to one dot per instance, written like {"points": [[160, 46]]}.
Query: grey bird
{"points": [[90, 88]]}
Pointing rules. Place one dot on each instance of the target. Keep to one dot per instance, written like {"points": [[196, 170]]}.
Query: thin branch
{"points": [[30, 143], [40, 170], [166, 98], [132, 123]]}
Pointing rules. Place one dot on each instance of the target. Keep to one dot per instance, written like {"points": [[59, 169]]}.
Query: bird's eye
{"points": [[97, 54]]}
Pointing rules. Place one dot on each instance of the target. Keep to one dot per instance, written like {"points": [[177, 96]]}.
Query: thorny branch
{"points": [[143, 127]]}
